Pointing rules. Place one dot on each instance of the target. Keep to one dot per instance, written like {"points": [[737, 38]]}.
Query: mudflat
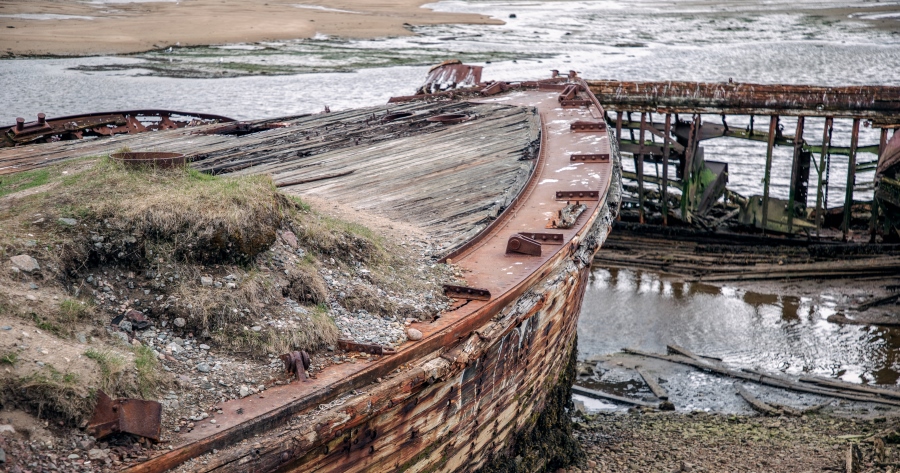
{"points": [[81, 28]]}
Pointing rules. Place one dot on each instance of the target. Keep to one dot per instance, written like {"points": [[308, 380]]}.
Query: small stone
{"points": [[122, 336], [213, 421], [6, 327], [290, 239], [414, 334], [96, 454], [74, 456], [256, 328], [4, 428], [69, 222], [203, 368], [204, 346], [81, 337], [179, 322], [31, 297], [126, 326], [231, 285], [244, 391], [206, 281], [25, 263], [136, 342]]}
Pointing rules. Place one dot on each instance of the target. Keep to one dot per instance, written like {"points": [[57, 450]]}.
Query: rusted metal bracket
{"points": [[589, 158], [568, 93], [545, 238], [468, 293], [23, 128], [578, 195], [495, 88], [371, 348], [575, 103], [130, 416], [582, 126], [519, 243]]}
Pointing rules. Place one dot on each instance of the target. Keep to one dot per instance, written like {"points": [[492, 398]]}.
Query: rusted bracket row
{"points": [[575, 103], [130, 416], [468, 293], [589, 158], [371, 348], [578, 195], [545, 238], [519, 243], [587, 127], [495, 88]]}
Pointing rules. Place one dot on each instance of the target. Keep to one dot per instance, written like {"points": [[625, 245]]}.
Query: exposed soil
{"points": [[186, 292], [699, 442]]}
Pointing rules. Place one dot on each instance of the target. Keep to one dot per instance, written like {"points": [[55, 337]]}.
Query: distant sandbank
{"points": [[97, 27]]}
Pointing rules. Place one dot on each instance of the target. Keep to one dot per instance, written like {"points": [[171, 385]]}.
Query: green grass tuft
{"points": [[9, 358]]}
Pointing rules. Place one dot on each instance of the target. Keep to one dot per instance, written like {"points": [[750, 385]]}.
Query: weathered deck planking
{"points": [[450, 180]]}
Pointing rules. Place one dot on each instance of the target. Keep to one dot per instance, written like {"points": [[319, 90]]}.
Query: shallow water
{"points": [[634, 309]]}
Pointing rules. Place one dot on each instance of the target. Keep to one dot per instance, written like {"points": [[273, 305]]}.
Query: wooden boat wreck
{"points": [[487, 373]]}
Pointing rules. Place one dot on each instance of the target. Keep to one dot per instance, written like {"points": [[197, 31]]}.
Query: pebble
{"points": [[74, 456], [414, 334], [256, 328], [69, 222], [206, 281], [204, 346], [6, 327], [203, 368], [25, 263], [179, 322], [244, 391], [126, 326]]}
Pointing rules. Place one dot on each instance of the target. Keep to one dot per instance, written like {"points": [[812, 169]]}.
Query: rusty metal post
{"points": [[851, 177], [767, 180], [873, 223], [795, 171], [665, 171], [619, 126], [826, 142], [639, 164]]}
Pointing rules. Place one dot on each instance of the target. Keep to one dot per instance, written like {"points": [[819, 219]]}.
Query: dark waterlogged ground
{"points": [[799, 42]]}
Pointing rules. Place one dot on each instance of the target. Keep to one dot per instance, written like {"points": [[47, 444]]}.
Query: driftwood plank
{"points": [[654, 386], [755, 403], [610, 397]]}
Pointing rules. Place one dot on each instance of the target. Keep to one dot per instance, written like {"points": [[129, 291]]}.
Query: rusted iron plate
{"points": [[587, 127], [519, 243], [131, 416], [748, 99], [450, 75], [156, 159], [590, 158], [549, 86], [468, 293], [495, 88], [545, 238], [371, 348], [100, 124], [575, 103], [578, 195]]}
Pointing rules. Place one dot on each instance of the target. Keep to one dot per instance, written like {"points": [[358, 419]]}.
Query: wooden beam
{"points": [[576, 389], [795, 174], [639, 168], [873, 223], [665, 171], [826, 142], [767, 179], [851, 178], [654, 386], [619, 125]]}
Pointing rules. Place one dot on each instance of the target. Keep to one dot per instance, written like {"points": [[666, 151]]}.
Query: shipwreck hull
{"points": [[483, 372]]}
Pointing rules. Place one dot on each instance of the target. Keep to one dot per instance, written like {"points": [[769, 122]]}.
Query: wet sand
{"points": [[47, 27]]}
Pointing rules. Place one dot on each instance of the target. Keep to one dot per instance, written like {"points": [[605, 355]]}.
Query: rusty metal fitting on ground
{"points": [[130, 416], [468, 293]]}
